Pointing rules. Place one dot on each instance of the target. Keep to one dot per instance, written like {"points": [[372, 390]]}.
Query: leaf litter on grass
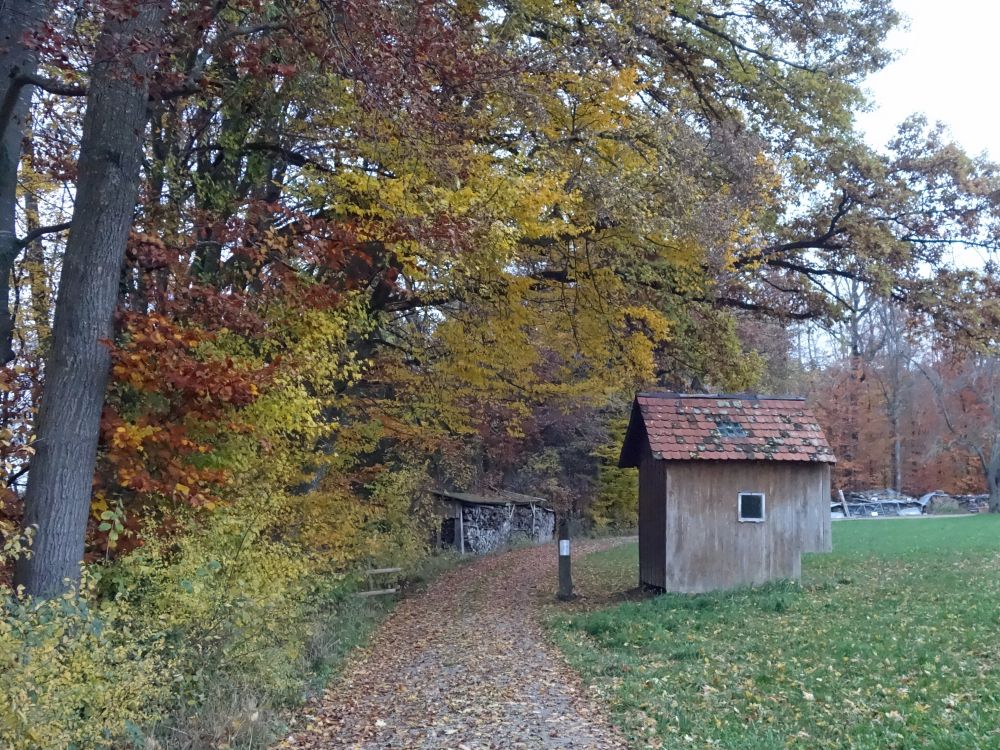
{"points": [[890, 643]]}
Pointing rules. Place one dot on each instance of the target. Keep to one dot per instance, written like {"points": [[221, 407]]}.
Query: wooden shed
{"points": [[732, 488], [483, 522]]}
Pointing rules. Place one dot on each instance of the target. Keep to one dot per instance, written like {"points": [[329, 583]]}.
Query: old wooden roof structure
{"points": [[499, 497], [723, 427]]}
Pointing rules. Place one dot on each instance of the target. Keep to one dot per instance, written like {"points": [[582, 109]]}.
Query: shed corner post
{"points": [[461, 529]]}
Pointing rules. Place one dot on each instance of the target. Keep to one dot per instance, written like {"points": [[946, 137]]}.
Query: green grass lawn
{"points": [[891, 641]]}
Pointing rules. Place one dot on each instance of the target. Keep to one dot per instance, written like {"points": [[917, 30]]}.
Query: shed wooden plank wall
{"points": [[705, 546], [652, 523], [816, 514]]}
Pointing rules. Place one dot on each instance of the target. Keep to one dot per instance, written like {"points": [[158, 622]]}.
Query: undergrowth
{"points": [[208, 639]]}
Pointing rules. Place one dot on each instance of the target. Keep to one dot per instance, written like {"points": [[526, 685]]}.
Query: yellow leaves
{"points": [[79, 672], [99, 504], [311, 357], [132, 436], [683, 253], [598, 102], [532, 203], [61, 669], [363, 196], [651, 328]]}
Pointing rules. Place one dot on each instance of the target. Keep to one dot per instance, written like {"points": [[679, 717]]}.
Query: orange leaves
{"points": [[158, 355], [172, 400], [938, 426], [156, 460]]}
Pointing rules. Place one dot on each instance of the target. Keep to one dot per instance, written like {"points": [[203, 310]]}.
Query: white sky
{"points": [[946, 69]]}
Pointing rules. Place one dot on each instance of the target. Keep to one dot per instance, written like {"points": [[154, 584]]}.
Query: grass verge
{"points": [[891, 641]]}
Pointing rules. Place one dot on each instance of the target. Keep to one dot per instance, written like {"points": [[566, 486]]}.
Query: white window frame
{"points": [[763, 507]]}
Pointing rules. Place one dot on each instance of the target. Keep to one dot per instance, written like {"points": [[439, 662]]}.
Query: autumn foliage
{"points": [[853, 411], [380, 247]]}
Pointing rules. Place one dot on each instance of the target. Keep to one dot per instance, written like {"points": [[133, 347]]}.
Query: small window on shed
{"points": [[752, 506], [728, 429]]}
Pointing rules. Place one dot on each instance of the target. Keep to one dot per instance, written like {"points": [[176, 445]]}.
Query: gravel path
{"points": [[464, 666]]}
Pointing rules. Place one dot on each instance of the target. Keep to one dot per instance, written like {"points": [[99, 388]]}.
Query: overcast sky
{"points": [[947, 69]]}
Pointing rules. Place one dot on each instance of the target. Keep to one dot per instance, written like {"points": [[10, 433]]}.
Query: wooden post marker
{"points": [[565, 574]]}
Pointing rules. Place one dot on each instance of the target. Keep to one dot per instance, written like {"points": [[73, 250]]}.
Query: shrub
{"points": [[73, 674], [196, 639], [76, 676]]}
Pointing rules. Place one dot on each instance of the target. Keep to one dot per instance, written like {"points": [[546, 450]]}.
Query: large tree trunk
{"points": [[17, 18], [57, 501]]}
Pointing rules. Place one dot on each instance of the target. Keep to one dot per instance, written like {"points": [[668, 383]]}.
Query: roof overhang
{"points": [[501, 498], [636, 440]]}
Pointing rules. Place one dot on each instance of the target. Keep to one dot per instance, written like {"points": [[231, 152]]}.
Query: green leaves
{"points": [[112, 523]]}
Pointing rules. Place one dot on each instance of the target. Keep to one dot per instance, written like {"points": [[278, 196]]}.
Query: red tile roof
{"points": [[680, 427]]}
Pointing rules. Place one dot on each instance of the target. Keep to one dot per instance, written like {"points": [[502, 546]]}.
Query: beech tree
{"points": [[19, 21], [57, 501]]}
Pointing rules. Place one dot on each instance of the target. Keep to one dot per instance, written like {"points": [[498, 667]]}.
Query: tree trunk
{"points": [[853, 418], [39, 281], [897, 450], [994, 501], [993, 476], [897, 463], [57, 501], [17, 18]]}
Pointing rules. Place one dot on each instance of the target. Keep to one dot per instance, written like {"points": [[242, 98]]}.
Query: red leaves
{"points": [[149, 252], [283, 70], [171, 399], [158, 356]]}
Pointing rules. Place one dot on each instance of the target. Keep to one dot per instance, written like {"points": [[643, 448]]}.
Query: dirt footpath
{"points": [[464, 666]]}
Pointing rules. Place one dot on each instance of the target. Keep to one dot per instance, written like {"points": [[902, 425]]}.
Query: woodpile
{"points": [[885, 502], [483, 522], [941, 502], [876, 503], [491, 527]]}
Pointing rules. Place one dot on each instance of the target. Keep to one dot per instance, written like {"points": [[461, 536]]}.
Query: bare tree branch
{"points": [[34, 234]]}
